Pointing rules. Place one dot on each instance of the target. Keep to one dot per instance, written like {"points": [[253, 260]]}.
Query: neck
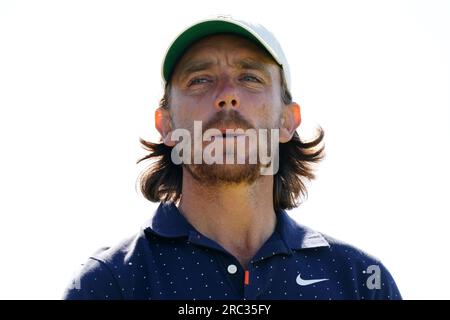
{"points": [[240, 217]]}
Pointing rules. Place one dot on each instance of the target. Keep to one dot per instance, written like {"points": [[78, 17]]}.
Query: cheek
{"points": [[186, 110], [263, 111]]}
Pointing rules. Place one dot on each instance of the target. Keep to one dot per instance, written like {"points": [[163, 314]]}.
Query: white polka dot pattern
{"points": [[170, 260]]}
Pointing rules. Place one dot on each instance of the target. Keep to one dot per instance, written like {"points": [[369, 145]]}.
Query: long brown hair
{"points": [[161, 181]]}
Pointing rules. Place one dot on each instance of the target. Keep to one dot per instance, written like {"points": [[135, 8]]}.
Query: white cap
{"points": [[224, 24]]}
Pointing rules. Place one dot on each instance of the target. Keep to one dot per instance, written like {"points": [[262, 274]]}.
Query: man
{"points": [[221, 230]]}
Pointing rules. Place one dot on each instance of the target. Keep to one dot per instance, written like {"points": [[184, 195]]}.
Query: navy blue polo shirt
{"points": [[170, 259]]}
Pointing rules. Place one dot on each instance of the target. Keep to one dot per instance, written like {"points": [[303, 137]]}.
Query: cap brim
{"points": [[197, 32]]}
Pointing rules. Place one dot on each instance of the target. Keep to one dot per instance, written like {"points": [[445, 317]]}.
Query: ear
{"points": [[290, 121], [163, 124]]}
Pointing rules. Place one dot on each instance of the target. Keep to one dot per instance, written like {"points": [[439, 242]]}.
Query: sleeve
{"points": [[388, 289], [94, 281], [382, 284]]}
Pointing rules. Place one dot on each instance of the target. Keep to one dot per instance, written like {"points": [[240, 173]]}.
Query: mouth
{"points": [[226, 133], [230, 133]]}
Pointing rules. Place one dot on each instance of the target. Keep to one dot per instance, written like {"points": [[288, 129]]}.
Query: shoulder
{"points": [[344, 251], [357, 270], [103, 274]]}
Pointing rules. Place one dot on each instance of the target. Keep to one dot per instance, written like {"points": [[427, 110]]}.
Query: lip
{"points": [[228, 136], [226, 133], [224, 130]]}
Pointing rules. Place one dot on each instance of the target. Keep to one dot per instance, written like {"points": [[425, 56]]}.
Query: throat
{"points": [[244, 257], [240, 217], [245, 245]]}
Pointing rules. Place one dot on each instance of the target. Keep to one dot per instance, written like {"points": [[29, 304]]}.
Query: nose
{"points": [[227, 96]]}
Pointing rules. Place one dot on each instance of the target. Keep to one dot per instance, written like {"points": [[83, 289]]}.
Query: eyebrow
{"points": [[195, 66], [251, 64], [244, 64]]}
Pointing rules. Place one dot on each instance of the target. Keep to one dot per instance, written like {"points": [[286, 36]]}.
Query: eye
{"points": [[251, 78], [198, 81]]}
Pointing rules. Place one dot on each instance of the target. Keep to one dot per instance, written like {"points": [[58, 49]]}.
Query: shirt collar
{"points": [[168, 222], [298, 236]]}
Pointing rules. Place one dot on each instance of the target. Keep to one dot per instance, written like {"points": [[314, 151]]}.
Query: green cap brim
{"points": [[195, 33]]}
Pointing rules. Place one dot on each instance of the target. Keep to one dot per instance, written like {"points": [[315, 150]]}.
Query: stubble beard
{"points": [[224, 174]]}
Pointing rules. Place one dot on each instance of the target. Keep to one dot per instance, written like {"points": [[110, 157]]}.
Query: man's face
{"points": [[227, 82]]}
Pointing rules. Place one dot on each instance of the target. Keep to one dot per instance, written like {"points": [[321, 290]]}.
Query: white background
{"points": [[79, 82]]}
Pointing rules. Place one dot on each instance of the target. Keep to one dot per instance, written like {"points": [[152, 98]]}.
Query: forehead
{"points": [[225, 45]]}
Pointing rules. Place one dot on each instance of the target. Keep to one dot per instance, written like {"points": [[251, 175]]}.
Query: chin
{"points": [[216, 174]]}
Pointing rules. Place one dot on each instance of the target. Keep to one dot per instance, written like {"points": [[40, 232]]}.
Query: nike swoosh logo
{"points": [[303, 282]]}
